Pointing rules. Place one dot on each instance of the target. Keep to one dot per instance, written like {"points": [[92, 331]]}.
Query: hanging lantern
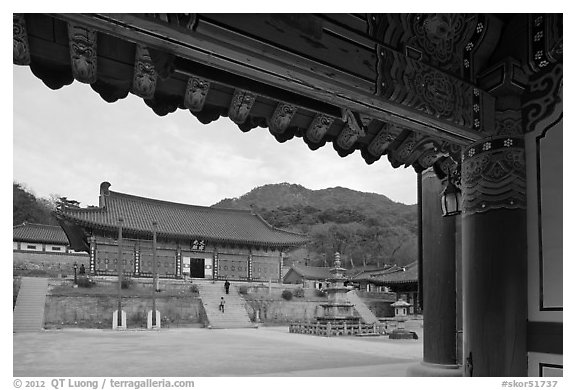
{"points": [[451, 199]]}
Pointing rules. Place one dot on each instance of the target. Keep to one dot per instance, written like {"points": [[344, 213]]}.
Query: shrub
{"points": [[299, 292], [320, 293], [194, 289], [126, 283], [287, 295], [243, 290], [84, 281], [139, 318]]}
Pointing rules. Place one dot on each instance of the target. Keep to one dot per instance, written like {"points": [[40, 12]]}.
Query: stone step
{"points": [[363, 310], [234, 316], [28, 313]]}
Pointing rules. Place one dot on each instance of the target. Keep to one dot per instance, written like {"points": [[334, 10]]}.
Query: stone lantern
{"points": [[400, 315], [401, 309]]}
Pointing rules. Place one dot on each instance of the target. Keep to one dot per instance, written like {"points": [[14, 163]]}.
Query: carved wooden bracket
{"points": [[381, 141], [241, 104], [144, 80], [352, 131], [281, 118], [402, 153], [83, 49], [318, 128], [21, 53], [429, 157], [196, 92]]}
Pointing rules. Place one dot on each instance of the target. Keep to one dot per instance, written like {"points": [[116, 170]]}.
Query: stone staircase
{"points": [[28, 315], [234, 316], [365, 313]]}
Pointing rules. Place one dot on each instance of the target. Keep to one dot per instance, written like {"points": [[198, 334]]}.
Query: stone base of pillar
{"points": [[424, 369], [402, 334], [115, 325]]}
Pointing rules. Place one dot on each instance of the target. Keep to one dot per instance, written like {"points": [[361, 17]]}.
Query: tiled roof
{"points": [[181, 220], [365, 273], [315, 273], [32, 232], [397, 274]]}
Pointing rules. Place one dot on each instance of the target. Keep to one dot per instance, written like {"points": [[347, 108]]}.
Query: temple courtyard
{"points": [[199, 352]]}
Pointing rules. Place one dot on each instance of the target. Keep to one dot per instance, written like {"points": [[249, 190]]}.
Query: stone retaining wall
{"points": [[178, 311], [96, 311], [281, 311], [48, 264]]}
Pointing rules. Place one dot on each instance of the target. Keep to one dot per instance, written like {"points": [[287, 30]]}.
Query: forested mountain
{"points": [[366, 228], [27, 208]]}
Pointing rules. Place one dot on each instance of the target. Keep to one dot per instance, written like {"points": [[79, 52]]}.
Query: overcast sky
{"points": [[68, 141]]}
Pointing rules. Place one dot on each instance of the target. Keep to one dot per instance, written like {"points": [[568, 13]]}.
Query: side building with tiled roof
{"points": [[308, 276], [35, 237], [43, 250], [403, 280], [195, 241]]}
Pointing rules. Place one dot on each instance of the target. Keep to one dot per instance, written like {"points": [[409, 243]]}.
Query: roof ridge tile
{"points": [[172, 203]]}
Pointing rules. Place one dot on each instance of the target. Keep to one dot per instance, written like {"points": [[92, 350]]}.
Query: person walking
{"points": [[227, 286], [221, 307]]}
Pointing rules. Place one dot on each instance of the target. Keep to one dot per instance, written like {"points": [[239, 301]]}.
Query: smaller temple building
{"points": [[308, 276], [34, 237], [371, 281], [192, 241], [402, 280], [43, 250]]}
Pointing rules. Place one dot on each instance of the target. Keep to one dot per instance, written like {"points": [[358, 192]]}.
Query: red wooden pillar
{"points": [[494, 257], [438, 275], [92, 255]]}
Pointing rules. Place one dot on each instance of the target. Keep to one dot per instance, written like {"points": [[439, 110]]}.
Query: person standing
{"points": [[227, 286], [221, 307]]}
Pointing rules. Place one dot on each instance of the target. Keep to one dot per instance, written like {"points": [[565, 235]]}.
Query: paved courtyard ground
{"points": [[197, 352]]}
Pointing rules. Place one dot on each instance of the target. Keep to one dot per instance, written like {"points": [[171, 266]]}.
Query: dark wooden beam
{"points": [[220, 48]]}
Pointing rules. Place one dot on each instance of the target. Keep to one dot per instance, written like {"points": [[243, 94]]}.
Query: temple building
{"points": [[192, 241]]}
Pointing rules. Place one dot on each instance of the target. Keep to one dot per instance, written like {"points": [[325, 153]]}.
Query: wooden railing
{"points": [[334, 329]]}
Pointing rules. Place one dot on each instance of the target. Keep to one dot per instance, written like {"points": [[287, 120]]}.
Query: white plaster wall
{"points": [[25, 246]]}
